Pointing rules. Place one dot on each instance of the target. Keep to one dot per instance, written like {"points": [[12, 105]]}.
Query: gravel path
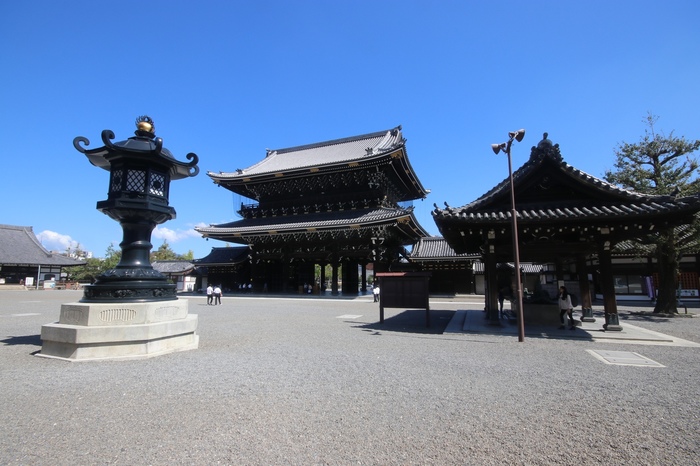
{"points": [[315, 382]]}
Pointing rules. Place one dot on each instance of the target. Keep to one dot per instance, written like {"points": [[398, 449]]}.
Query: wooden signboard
{"points": [[407, 290]]}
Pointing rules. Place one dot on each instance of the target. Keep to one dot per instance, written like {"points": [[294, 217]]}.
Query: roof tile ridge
{"points": [[332, 142], [29, 231], [604, 184]]}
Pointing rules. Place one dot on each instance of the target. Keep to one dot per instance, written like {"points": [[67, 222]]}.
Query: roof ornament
{"points": [[544, 143], [546, 148]]}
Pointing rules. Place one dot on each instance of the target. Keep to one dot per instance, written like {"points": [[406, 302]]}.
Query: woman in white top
{"points": [[565, 308]]}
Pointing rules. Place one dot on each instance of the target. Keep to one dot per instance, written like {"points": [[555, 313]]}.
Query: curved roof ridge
{"points": [[537, 157]]}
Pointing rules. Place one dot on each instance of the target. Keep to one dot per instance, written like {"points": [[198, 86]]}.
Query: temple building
{"points": [[566, 218], [23, 260], [345, 203]]}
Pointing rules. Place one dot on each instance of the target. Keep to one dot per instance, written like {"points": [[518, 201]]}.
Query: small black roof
{"points": [[433, 248], [224, 256], [173, 267], [20, 246]]}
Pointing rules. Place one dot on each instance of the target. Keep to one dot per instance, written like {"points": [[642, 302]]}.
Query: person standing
{"points": [[375, 292], [210, 295], [217, 295], [565, 308]]}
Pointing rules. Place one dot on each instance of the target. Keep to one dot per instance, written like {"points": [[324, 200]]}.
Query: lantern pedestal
{"points": [[119, 330]]}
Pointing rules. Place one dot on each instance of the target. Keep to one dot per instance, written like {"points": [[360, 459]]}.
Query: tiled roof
{"points": [[436, 248], [180, 267], [653, 205], [227, 255], [597, 199], [322, 220], [19, 245], [320, 154]]}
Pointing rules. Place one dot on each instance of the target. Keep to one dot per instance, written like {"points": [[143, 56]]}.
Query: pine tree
{"points": [[661, 165]]}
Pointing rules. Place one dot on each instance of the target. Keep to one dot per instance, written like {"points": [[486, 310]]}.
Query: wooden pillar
{"points": [[585, 289], [491, 278], [607, 283], [334, 278], [322, 284], [364, 277]]}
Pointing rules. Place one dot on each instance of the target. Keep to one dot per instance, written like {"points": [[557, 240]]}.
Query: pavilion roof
{"points": [[319, 154], [19, 246], [313, 222], [552, 198]]}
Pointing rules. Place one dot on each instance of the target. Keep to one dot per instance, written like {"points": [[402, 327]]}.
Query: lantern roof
{"points": [[143, 144]]}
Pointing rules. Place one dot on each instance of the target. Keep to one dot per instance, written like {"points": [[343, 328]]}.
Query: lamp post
{"points": [[505, 147]]}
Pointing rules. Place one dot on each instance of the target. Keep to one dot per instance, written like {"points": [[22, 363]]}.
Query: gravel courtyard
{"points": [[312, 381]]}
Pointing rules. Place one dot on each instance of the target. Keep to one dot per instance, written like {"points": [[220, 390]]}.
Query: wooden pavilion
{"points": [[341, 202], [565, 217]]}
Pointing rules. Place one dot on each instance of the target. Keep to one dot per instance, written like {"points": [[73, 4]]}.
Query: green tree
{"points": [[85, 273], [661, 165], [112, 258], [164, 253]]}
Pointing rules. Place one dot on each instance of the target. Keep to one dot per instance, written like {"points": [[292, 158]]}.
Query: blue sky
{"points": [[228, 79]]}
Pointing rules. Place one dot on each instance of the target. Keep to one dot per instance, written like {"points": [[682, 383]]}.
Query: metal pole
{"points": [[516, 251]]}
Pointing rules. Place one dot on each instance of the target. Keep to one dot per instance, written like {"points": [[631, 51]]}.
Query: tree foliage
{"points": [[96, 266], [166, 253], [661, 165]]}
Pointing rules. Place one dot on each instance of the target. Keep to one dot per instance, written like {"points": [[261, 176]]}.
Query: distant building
{"points": [[180, 272], [23, 260]]}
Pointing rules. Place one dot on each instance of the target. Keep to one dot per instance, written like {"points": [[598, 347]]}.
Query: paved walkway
{"points": [[318, 381], [474, 322]]}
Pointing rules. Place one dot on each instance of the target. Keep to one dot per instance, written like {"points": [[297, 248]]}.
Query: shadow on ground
{"points": [[412, 321], [23, 340]]}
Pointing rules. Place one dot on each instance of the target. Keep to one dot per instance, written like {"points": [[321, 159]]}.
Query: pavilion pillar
{"points": [[585, 289], [607, 283], [491, 296], [334, 278]]}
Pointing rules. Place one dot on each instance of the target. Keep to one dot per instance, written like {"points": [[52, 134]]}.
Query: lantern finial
{"points": [[144, 124]]}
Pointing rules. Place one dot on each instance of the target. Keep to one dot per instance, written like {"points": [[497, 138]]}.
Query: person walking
{"points": [[217, 295], [210, 295], [565, 308]]}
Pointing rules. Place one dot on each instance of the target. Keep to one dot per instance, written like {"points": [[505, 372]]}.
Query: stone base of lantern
{"points": [[111, 331]]}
